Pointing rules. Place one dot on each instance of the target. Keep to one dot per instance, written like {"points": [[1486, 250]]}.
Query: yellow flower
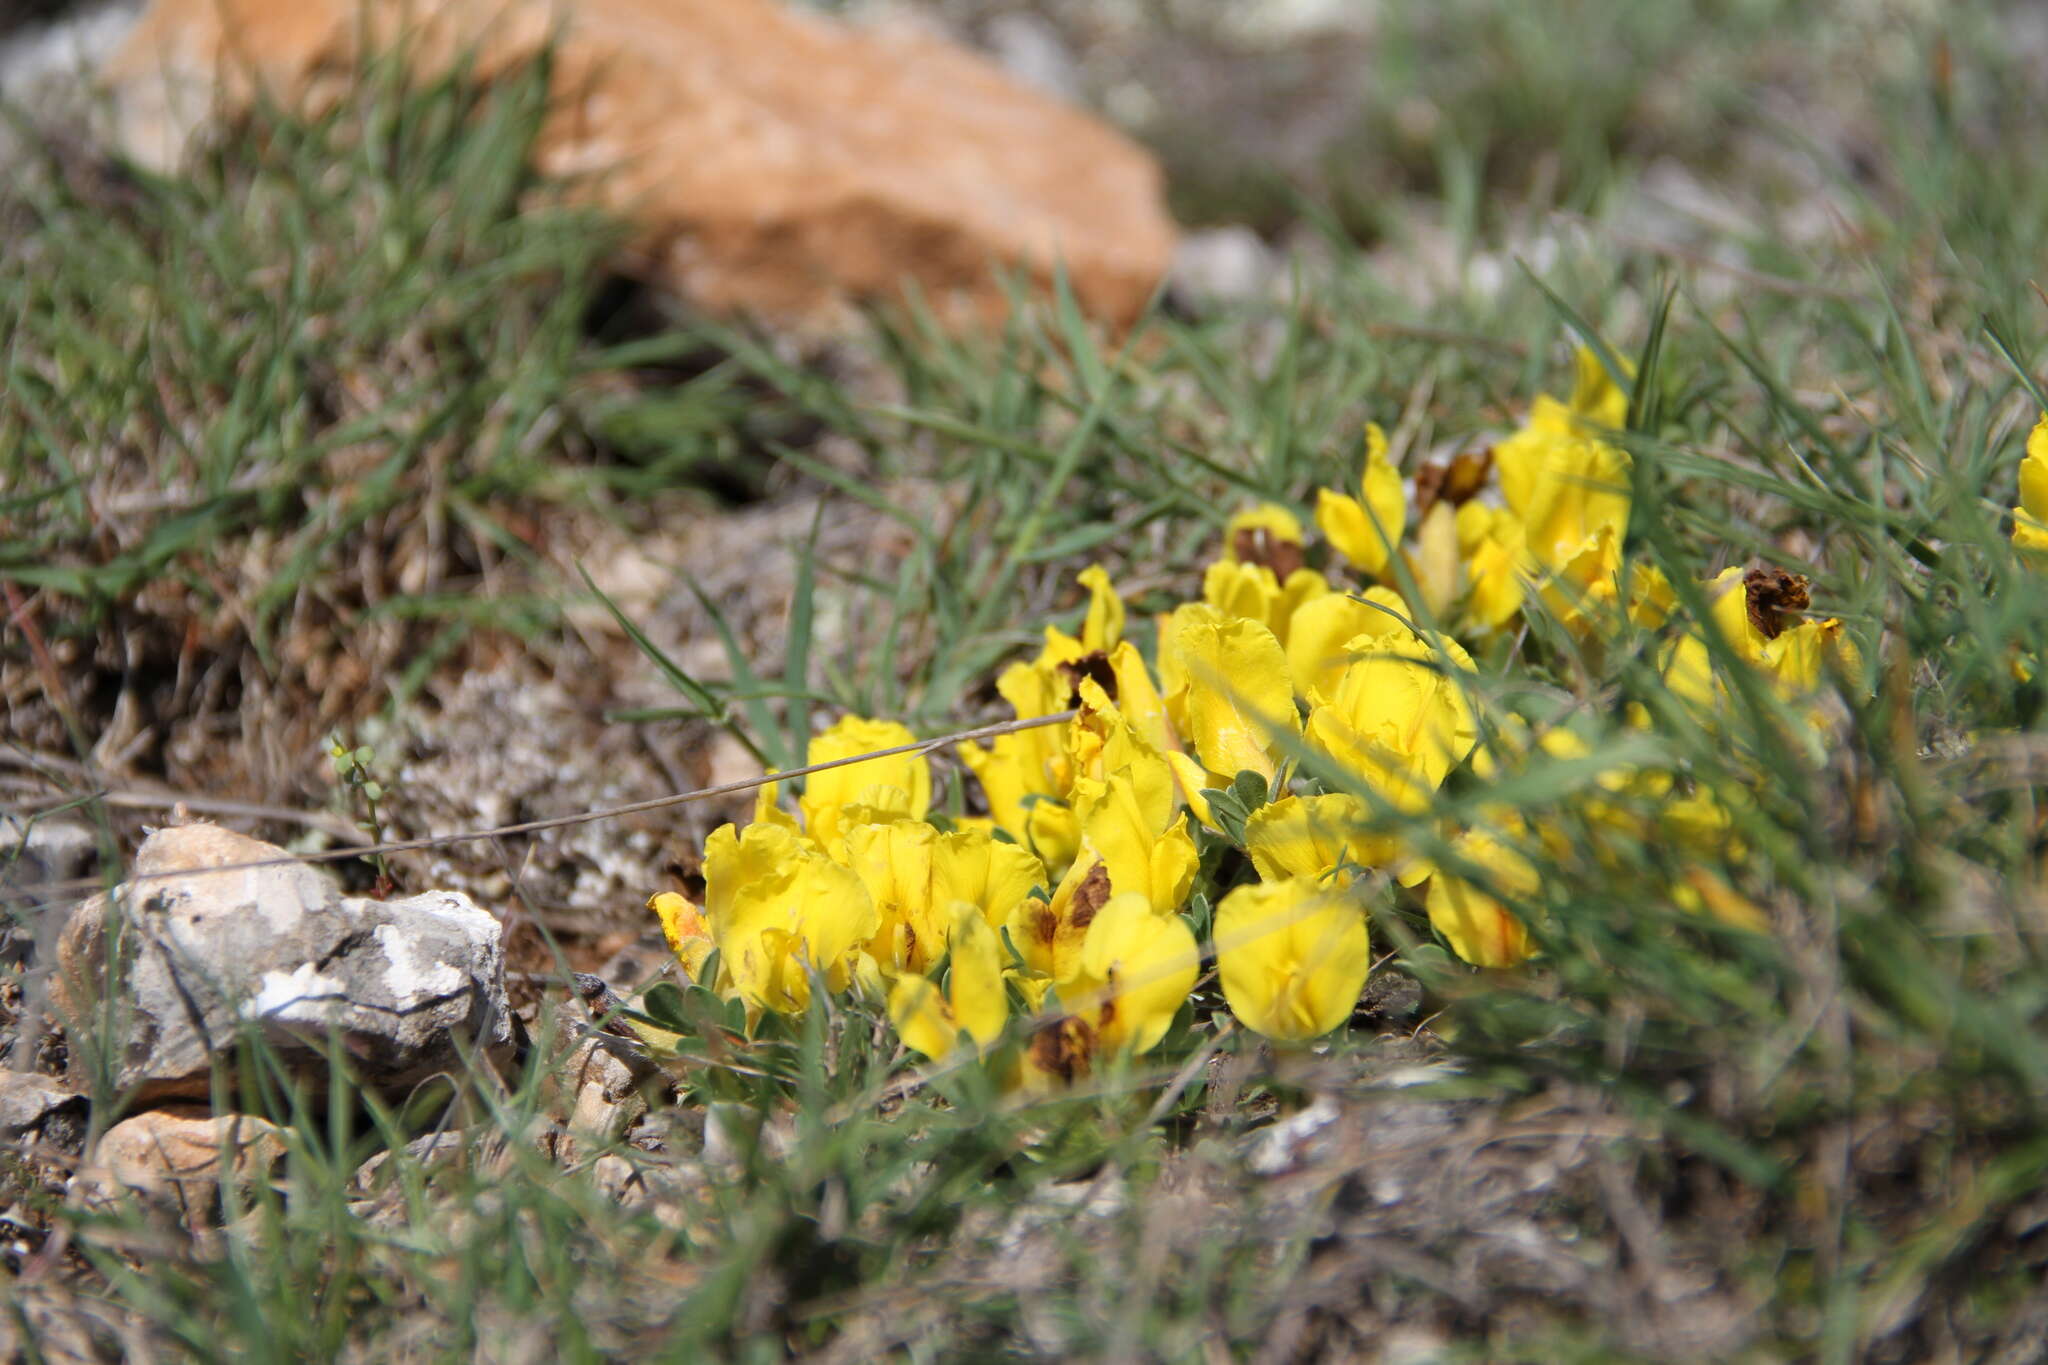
{"points": [[1027, 776], [1020, 791], [1136, 970], [689, 937], [1564, 488], [880, 788], [1101, 627], [1268, 534], [2030, 518], [1366, 532], [1496, 563], [1247, 590], [1024, 775], [1132, 822], [1308, 837], [1102, 739], [1227, 690], [1477, 924], [1104, 624], [1569, 491], [1292, 955], [974, 1001], [778, 909], [1049, 935], [1060, 1052], [1437, 566], [1596, 398], [1398, 715], [1253, 592], [1753, 610], [1137, 697], [1800, 658], [917, 876], [1318, 644], [995, 877]]}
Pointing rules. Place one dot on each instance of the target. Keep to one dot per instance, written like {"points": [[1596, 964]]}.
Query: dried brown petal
{"points": [[1774, 596], [1089, 897], [1258, 545], [1095, 666]]}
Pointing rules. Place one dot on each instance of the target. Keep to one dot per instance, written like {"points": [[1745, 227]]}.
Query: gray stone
{"points": [[602, 1097], [1225, 265], [40, 1112], [44, 850], [35, 856], [407, 988]]}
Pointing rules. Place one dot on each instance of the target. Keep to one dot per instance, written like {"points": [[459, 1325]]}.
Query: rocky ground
{"points": [[1412, 1198]]}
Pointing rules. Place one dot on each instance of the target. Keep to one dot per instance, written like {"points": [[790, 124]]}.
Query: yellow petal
{"points": [[1104, 625], [768, 808], [1292, 956], [1193, 779], [1311, 836], [1728, 604], [894, 863], [1137, 699], [1137, 968], [687, 932], [1595, 395], [1323, 627], [975, 988], [968, 865], [1497, 584], [1651, 599], [2030, 518], [777, 908], [903, 782], [1799, 659], [1237, 694], [1479, 926], [1563, 485], [1399, 714], [1246, 590], [1302, 587], [1005, 780], [1438, 568], [923, 1018], [1049, 935]]}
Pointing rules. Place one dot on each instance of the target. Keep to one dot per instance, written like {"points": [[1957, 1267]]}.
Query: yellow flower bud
{"points": [[1292, 955]]}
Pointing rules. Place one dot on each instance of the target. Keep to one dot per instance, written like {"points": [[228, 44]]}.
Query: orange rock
{"points": [[178, 1157], [773, 161]]}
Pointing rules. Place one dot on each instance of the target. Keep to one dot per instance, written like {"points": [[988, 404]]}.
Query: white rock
{"points": [[408, 987]]}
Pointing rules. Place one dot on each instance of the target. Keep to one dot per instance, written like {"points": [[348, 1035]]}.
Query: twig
{"points": [[147, 799], [923, 746]]}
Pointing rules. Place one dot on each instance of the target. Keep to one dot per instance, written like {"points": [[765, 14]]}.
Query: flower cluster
{"points": [[1260, 781]]}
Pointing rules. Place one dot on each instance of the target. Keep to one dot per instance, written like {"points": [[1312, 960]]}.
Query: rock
{"points": [[603, 1099], [35, 854], [451, 1155], [36, 1111], [46, 850], [771, 159], [175, 1158], [409, 987], [1030, 47], [1226, 265], [1295, 1141]]}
